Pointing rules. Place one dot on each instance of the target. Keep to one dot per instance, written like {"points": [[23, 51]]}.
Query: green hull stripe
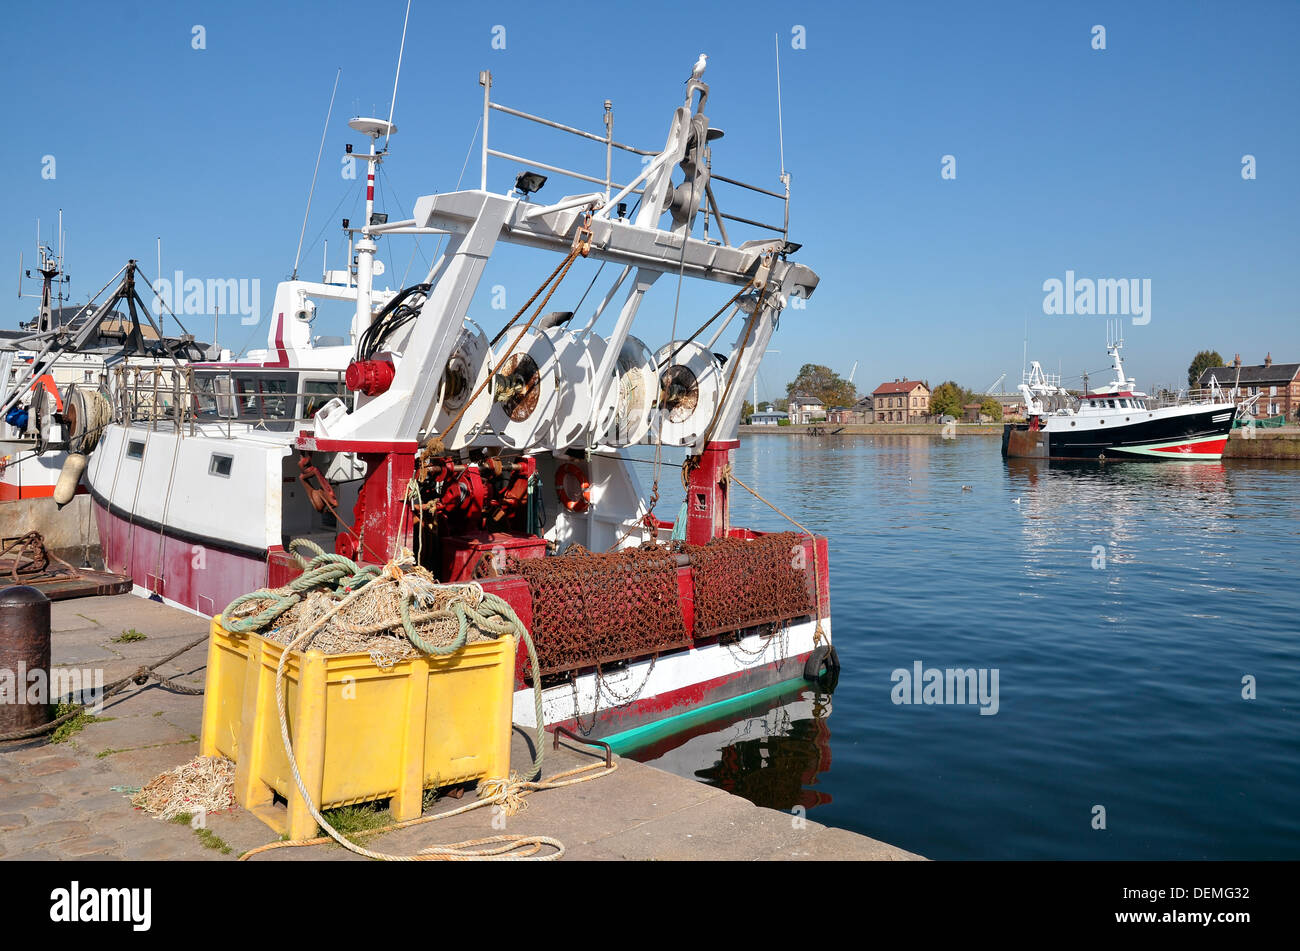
{"points": [[642, 735]]}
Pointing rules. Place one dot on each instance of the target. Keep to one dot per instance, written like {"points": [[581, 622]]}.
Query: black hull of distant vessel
{"points": [[1184, 437]]}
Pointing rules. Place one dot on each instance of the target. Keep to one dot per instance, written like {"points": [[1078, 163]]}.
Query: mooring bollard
{"points": [[24, 650]]}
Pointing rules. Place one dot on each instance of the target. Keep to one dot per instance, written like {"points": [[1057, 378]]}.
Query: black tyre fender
{"points": [[822, 661]]}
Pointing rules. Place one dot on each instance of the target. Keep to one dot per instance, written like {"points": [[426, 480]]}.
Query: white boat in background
{"points": [[1117, 421]]}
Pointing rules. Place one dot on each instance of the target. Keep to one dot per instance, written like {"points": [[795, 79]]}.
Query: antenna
{"points": [[1024, 352], [312, 191], [59, 298], [780, 126], [392, 105], [162, 317]]}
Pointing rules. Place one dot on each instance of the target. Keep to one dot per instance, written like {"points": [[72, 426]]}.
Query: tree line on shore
{"points": [[947, 399]]}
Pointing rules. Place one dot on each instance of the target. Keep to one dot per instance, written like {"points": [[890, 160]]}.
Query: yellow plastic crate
{"points": [[359, 732]]}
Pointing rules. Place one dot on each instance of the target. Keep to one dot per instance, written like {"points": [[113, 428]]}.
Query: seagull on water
{"points": [[698, 69]]}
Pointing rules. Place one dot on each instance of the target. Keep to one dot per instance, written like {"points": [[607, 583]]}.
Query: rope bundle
{"points": [[204, 784]]}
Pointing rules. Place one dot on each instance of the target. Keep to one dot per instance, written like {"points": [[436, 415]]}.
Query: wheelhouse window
{"points": [[316, 393], [212, 397], [265, 397], [134, 449]]}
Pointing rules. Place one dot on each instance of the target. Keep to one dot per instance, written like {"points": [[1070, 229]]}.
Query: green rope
{"points": [[325, 569]]}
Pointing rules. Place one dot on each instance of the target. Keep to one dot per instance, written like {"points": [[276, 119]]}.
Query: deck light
{"points": [[378, 218], [528, 182]]}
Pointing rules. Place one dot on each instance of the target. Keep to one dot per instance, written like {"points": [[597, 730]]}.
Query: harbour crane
{"points": [[993, 387]]}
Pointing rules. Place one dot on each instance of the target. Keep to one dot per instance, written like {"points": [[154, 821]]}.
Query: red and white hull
{"points": [[646, 691], [24, 475], [203, 576], [196, 576]]}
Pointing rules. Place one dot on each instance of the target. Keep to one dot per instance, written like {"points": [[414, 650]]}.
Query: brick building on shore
{"points": [[901, 401], [1276, 384]]}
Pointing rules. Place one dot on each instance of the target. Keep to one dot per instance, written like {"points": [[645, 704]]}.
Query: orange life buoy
{"points": [[47, 381], [562, 476]]}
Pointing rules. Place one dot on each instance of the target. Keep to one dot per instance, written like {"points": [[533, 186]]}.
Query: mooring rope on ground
{"points": [[141, 676]]}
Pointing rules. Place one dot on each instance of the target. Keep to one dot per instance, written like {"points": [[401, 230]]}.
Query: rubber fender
{"points": [[69, 476], [821, 661]]}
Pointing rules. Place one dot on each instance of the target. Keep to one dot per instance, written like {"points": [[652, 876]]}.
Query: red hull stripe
{"points": [[1208, 445], [11, 493]]}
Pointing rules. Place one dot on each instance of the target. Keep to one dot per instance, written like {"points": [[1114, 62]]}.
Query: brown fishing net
{"points": [[598, 608], [745, 582]]}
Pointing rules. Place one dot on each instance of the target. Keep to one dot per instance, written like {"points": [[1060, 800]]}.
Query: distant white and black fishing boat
{"points": [[1117, 421]]}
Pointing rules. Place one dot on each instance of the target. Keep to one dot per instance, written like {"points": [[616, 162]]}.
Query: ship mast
{"points": [[365, 247]]}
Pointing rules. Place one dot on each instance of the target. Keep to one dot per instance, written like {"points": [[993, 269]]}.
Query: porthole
{"points": [[134, 449], [219, 464]]}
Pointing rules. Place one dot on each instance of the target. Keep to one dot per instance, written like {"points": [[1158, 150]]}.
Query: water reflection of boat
{"points": [[769, 750], [1207, 475], [1121, 499]]}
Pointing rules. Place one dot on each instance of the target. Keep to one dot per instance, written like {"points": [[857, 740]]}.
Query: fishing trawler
{"points": [[1117, 421], [495, 455], [53, 364]]}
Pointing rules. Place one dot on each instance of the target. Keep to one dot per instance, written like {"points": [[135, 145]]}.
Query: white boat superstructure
{"points": [[1117, 420]]}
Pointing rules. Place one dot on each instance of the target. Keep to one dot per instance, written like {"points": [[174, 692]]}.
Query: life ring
{"points": [[562, 476], [46, 382]]}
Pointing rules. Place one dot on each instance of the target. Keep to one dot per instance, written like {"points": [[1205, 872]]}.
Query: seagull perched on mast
{"points": [[698, 70]]}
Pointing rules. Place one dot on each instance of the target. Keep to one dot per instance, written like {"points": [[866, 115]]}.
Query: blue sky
{"points": [[1116, 163]]}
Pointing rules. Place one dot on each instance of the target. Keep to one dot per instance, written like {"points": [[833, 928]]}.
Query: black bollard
{"points": [[24, 650]]}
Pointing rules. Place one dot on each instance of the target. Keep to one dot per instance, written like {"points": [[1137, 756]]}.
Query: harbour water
{"points": [[1128, 610]]}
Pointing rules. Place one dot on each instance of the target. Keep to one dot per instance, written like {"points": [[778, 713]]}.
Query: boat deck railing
{"points": [[180, 400], [709, 205], [1165, 397]]}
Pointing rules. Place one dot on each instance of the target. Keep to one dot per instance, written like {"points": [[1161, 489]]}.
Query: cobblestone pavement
{"points": [[69, 800]]}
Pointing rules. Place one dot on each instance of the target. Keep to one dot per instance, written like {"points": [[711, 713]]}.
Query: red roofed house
{"points": [[902, 401]]}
